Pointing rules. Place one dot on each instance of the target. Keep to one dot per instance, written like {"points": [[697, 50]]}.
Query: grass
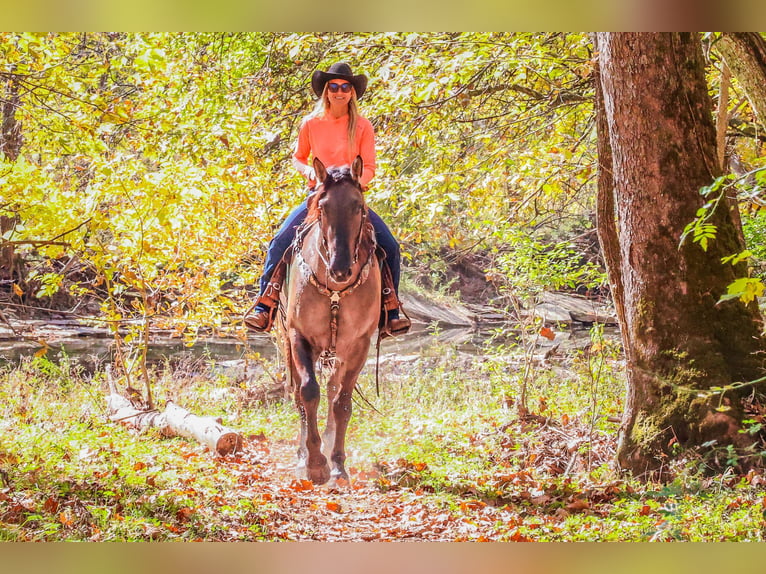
{"points": [[447, 441]]}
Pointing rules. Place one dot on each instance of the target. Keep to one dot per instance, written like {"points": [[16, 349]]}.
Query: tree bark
{"points": [[745, 53], [606, 214], [10, 128], [657, 124], [722, 115], [10, 147]]}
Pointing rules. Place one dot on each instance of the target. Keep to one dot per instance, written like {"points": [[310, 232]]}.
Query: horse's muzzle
{"points": [[341, 275]]}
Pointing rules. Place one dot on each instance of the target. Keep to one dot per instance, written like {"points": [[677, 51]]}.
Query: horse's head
{"points": [[342, 212]]}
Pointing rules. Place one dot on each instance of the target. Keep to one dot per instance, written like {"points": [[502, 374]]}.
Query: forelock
{"points": [[339, 173]]}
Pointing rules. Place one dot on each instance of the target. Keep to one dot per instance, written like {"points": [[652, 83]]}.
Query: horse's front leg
{"points": [[328, 436], [341, 410], [312, 464]]}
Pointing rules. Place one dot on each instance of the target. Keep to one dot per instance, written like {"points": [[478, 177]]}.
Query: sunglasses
{"points": [[345, 87]]}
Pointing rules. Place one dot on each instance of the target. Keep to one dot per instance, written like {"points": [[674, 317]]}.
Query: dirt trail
{"points": [[370, 508]]}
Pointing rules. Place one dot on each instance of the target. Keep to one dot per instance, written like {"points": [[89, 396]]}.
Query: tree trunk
{"points": [[606, 215], [679, 342], [745, 53], [10, 147]]}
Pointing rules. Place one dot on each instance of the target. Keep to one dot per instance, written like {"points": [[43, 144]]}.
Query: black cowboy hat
{"points": [[341, 71]]}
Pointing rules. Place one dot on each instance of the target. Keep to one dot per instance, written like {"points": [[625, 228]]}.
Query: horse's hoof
{"points": [[339, 479], [339, 474], [319, 475]]}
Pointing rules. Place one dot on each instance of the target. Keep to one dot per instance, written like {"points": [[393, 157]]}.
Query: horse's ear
{"points": [[320, 170], [357, 168]]}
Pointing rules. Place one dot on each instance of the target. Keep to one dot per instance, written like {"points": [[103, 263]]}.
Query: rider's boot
{"points": [[260, 317], [391, 323]]}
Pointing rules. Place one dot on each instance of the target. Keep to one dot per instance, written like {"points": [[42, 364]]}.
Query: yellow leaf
{"points": [[18, 290]]}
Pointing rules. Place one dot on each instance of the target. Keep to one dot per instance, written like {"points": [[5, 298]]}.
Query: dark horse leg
{"points": [[312, 464], [339, 408]]}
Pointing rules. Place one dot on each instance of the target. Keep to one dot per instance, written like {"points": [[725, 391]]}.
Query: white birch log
{"points": [[121, 410], [176, 421], [207, 430]]}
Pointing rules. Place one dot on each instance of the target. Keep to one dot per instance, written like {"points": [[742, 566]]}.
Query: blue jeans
{"points": [[286, 234]]}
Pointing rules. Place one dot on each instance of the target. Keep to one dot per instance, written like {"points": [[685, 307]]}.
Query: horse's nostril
{"points": [[341, 274]]}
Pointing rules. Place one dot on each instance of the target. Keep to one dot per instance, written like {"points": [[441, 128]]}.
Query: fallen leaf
{"points": [[518, 537], [302, 485], [578, 504], [548, 333], [472, 505], [50, 505], [333, 506], [185, 513], [66, 519]]}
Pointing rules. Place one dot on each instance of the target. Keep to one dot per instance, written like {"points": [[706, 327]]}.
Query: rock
{"points": [[426, 311], [566, 308]]}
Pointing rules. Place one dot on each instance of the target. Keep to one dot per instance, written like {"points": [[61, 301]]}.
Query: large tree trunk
{"points": [[10, 147], [745, 53], [679, 342]]}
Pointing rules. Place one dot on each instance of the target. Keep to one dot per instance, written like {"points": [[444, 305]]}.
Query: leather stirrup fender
{"points": [[389, 300]]}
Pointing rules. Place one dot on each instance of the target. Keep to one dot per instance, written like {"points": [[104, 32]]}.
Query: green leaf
{"points": [[746, 289]]}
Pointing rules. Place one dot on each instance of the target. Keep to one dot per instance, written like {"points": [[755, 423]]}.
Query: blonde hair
{"points": [[323, 106]]}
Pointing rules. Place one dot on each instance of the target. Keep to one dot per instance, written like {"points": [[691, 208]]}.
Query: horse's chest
{"points": [[312, 312]]}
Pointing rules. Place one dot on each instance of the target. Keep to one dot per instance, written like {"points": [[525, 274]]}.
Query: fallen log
{"points": [[176, 421], [122, 410], [207, 430]]}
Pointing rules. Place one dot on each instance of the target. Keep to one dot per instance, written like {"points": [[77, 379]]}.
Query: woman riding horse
{"points": [[335, 133]]}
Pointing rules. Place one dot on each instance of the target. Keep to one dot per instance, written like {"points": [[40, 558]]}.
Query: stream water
{"points": [[91, 351]]}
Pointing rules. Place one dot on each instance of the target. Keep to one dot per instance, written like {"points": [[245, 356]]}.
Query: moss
{"points": [[645, 310], [651, 426]]}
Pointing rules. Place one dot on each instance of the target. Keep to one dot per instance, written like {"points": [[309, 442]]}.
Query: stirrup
{"points": [[402, 326]]}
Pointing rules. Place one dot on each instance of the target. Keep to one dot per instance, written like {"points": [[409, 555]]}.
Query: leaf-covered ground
{"points": [[446, 459]]}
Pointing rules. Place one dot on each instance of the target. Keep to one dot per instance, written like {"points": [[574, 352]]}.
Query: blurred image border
{"points": [[380, 558], [375, 558], [347, 16]]}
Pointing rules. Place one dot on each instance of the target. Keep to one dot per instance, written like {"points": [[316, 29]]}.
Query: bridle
{"points": [[323, 250]]}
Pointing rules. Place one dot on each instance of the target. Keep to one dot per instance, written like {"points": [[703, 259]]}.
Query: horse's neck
{"points": [[310, 247]]}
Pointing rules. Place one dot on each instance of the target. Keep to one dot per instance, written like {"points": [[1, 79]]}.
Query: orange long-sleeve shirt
{"points": [[327, 139]]}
